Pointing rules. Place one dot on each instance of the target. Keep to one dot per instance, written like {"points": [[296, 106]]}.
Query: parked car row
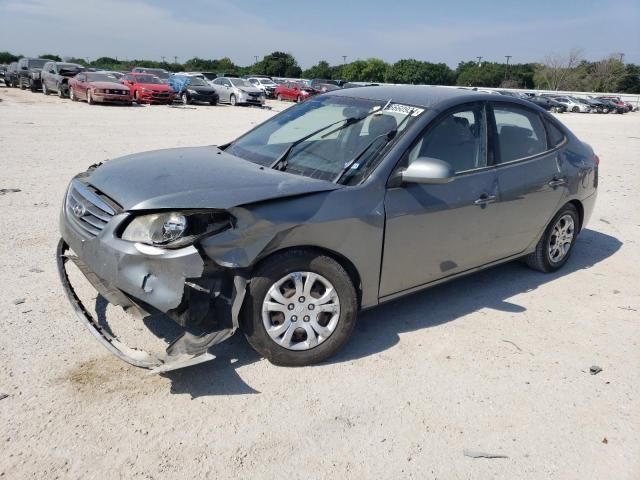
{"points": [[141, 85], [568, 103]]}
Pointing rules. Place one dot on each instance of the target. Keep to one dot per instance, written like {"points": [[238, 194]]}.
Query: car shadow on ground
{"points": [[379, 329]]}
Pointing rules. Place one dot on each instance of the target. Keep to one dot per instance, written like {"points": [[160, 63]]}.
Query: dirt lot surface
{"points": [[497, 362]]}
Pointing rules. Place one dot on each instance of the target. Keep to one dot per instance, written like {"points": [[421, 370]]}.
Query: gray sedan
{"points": [[237, 91], [348, 200]]}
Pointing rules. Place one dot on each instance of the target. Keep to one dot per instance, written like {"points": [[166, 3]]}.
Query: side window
{"points": [[459, 138], [520, 133], [556, 137]]}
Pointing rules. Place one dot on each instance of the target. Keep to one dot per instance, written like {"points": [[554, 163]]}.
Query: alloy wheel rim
{"points": [[301, 310], [561, 238]]}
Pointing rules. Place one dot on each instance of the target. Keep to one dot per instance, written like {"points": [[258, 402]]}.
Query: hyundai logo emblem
{"points": [[78, 210]]}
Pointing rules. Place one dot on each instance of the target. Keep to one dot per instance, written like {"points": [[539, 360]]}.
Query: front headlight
{"points": [[193, 92], [175, 229]]}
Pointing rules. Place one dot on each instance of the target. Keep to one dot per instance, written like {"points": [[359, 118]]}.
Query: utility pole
{"points": [[163, 61], [256, 57], [479, 61], [175, 59], [506, 68], [344, 59]]}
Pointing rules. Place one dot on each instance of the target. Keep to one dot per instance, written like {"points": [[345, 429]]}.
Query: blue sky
{"points": [[321, 30]]}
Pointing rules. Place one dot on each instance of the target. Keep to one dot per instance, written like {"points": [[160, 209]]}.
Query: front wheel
{"points": [[279, 97], [575, 110], [44, 89], [89, 97], [554, 248], [185, 99], [72, 95], [232, 100], [300, 308]]}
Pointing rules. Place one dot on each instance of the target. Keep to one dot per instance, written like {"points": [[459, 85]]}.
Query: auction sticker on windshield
{"points": [[404, 109]]}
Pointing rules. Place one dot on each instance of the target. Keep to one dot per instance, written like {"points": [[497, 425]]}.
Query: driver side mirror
{"points": [[426, 170]]}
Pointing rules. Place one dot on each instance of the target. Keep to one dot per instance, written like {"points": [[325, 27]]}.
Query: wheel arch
{"points": [[580, 208], [344, 262]]}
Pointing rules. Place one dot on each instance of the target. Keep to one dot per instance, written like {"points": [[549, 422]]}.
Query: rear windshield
{"points": [[36, 63]]}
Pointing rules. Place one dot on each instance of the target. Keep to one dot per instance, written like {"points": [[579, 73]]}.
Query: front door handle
{"points": [[557, 182], [485, 199]]}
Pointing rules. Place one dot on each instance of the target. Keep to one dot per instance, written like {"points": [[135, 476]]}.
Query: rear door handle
{"points": [[557, 182], [485, 199]]}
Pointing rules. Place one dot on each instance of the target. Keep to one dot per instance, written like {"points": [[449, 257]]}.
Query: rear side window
{"points": [[520, 133], [556, 137]]}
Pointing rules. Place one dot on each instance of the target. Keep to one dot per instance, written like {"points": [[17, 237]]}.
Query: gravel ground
{"points": [[496, 362]]}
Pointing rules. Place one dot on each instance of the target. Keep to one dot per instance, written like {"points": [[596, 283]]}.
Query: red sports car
{"points": [[293, 91], [95, 87], [147, 88]]}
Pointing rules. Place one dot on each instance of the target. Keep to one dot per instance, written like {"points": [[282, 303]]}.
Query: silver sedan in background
{"points": [[238, 91]]}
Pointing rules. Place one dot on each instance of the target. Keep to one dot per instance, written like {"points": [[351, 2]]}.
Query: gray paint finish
{"points": [[392, 238]]}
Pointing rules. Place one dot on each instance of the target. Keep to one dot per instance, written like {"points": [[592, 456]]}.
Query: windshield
{"points": [[69, 67], [147, 79], [158, 72], [198, 82], [324, 155], [241, 82], [101, 77], [266, 81], [37, 63]]}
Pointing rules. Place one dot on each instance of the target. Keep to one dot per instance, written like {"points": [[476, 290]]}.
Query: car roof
{"points": [[420, 95]]}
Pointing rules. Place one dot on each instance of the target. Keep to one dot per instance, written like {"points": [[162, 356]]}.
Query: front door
{"points": [[433, 231]]}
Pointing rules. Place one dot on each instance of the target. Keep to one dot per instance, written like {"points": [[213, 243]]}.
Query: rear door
{"points": [[531, 175], [434, 231]]}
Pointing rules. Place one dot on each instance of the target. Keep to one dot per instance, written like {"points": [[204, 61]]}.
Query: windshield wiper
{"points": [[390, 135], [281, 161]]}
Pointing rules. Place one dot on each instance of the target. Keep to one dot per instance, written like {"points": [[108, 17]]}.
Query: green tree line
{"points": [[555, 72]]}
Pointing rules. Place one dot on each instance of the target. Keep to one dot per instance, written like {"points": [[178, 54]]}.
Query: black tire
{"points": [[298, 99], [61, 90], [279, 98], [22, 86], [232, 100], [72, 96], [214, 102], [271, 271], [185, 98], [540, 259], [575, 110], [44, 89], [89, 97], [32, 87]]}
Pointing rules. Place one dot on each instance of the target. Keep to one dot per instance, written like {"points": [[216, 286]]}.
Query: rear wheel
{"points": [[575, 109], [554, 248], [61, 91], [300, 308]]}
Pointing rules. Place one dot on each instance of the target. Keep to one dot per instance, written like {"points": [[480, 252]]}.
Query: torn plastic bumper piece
{"points": [[188, 349]]}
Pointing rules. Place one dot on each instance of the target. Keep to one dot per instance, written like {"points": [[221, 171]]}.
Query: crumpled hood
{"points": [[197, 177]]}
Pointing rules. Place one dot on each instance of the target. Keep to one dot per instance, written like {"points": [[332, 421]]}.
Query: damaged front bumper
{"points": [[200, 296]]}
